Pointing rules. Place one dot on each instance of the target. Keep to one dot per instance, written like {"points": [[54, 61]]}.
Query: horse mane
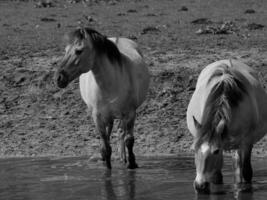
{"points": [[100, 42], [224, 96]]}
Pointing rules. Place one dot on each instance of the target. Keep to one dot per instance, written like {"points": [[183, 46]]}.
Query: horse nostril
{"points": [[216, 152], [60, 78], [202, 188]]}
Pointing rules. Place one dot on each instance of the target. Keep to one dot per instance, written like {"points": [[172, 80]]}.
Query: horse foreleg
{"points": [[105, 148], [129, 142], [237, 167], [109, 129], [217, 177], [242, 165]]}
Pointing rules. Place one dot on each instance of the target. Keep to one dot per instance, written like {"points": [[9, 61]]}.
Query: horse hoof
{"points": [[108, 166], [132, 166]]}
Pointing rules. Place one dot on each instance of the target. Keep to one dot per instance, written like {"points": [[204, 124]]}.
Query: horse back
{"points": [[128, 47], [250, 113]]}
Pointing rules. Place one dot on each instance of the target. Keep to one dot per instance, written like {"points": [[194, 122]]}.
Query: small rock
{"points": [[45, 19], [112, 3], [89, 18], [183, 8], [250, 11], [121, 14], [201, 21], [150, 29], [151, 15], [254, 26], [227, 27], [132, 37], [44, 4], [6, 25], [132, 11], [74, 1]]}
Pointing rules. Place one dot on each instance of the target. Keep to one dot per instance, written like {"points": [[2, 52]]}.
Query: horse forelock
{"points": [[224, 96], [101, 43]]}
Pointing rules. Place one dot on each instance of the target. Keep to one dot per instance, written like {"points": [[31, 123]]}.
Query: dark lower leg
{"points": [[217, 177], [104, 132], [129, 142], [247, 172], [243, 169], [105, 150]]}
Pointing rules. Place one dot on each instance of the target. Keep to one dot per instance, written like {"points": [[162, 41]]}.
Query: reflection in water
{"points": [[243, 195], [237, 195], [240, 196], [156, 179], [109, 190], [124, 188]]}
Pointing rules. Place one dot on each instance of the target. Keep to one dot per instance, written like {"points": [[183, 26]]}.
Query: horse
{"points": [[113, 80], [227, 111]]}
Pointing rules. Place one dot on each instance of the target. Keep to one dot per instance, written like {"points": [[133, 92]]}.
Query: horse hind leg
{"points": [[242, 165], [104, 131], [129, 142], [121, 133], [247, 171]]}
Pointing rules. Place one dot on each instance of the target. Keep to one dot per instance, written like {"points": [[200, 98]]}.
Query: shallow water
{"points": [[76, 178]]}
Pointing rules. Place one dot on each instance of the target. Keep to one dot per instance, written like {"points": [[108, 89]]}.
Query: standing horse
{"points": [[228, 111], [114, 80]]}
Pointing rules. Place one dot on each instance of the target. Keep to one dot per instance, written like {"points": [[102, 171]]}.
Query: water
{"points": [[76, 178]]}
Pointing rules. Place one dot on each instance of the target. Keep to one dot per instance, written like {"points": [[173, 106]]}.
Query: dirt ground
{"points": [[177, 38]]}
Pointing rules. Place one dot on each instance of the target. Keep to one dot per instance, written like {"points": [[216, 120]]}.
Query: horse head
{"points": [[208, 157], [79, 57]]}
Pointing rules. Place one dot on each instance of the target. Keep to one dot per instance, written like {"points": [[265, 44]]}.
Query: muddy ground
{"points": [[178, 38]]}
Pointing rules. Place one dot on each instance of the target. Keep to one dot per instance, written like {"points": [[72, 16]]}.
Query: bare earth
{"points": [[38, 119]]}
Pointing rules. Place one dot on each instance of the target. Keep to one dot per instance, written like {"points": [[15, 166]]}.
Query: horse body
{"points": [[228, 110], [114, 80], [123, 89]]}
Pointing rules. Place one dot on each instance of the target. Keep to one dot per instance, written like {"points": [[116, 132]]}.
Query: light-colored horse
{"points": [[114, 81], [228, 110]]}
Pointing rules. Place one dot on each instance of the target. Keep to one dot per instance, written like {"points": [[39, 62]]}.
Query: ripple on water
{"points": [[157, 178]]}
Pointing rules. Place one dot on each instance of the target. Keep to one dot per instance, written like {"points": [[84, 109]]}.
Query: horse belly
{"points": [[139, 82], [244, 122], [142, 89]]}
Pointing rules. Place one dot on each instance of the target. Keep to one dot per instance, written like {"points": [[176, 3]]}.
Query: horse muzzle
{"points": [[202, 188], [61, 79]]}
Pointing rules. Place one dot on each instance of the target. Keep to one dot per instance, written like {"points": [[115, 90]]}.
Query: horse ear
{"points": [[197, 124], [83, 33], [220, 127]]}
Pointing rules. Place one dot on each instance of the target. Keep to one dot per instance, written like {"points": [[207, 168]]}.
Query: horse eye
{"points": [[78, 52]]}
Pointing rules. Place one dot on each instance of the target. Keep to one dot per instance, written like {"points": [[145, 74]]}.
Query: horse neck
{"points": [[106, 73]]}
